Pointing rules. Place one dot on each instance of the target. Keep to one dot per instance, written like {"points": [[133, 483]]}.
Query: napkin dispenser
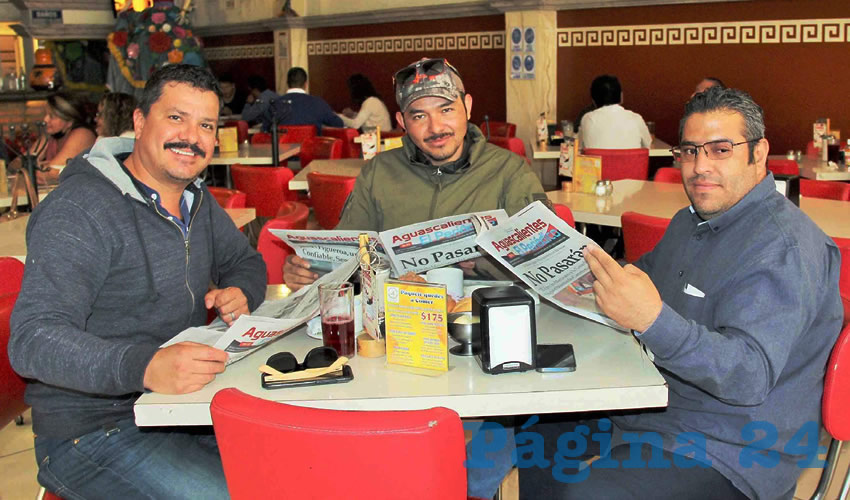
{"points": [[508, 329]]}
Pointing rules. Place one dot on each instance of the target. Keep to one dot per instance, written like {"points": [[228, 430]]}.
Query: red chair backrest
{"points": [[328, 193], [499, 129], [641, 233], [844, 278], [320, 453], [811, 150], [296, 134], [241, 129], [668, 174], [263, 138], [228, 198], [266, 188], [512, 144], [783, 166], [350, 149], [830, 190], [292, 215], [392, 133], [623, 163], [12, 386], [565, 214], [325, 148], [836, 389]]}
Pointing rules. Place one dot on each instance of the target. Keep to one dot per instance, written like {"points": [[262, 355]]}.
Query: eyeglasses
{"points": [[318, 357], [422, 70], [714, 150]]}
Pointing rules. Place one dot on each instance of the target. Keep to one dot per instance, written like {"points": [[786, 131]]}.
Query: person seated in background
{"points": [[68, 126], [708, 82], [114, 116], [234, 100], [372, 112], [259, 100], [610, 126], [302, 108]]}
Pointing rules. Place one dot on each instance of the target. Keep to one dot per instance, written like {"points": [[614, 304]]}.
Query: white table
{"points": [[6, 195], [253, 154], [612, 373], [349, 167], [662, 199], [657, 148], [814, 168]]}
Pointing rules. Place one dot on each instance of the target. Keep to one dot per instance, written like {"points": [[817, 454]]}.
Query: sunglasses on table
{"points": [[318, 357], [714, 150], [421, 70]]}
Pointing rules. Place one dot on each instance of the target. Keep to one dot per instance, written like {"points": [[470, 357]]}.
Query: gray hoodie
{"points": [[108, 279]]}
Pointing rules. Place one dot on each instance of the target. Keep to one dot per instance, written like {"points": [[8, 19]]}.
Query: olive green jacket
{"points": [[394, 189]]}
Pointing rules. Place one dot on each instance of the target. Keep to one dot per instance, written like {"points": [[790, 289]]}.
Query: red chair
{"points": [[328, 193], [296, 134], [228, 198], [11, 275], [811, 150], [782, 166], [565, 213], [392, 133], [512, 144], [641, 233], [292, 215], [12, 386], [266, 188], [830, 190], [241, 129], [318, 453], [499, 129], [668, 174], [350, 149], [623, 163], [844, 279], [324, 148], [834, 407]]}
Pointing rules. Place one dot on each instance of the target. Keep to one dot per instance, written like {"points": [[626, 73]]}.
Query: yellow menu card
{"points": [[586, 171], [415, 319], [227, 139]]}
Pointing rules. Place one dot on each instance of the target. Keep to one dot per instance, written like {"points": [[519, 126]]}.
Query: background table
{"points": [[253, 154], [612, 373], [349, 167], [657, 148], [663, 199], [814, 168]]}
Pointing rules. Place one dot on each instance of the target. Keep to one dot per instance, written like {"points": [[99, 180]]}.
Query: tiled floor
{"points": [[17, 463]]}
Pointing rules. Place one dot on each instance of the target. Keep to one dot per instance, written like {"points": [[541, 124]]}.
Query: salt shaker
{"points": [[600, 190], [609, 188]]}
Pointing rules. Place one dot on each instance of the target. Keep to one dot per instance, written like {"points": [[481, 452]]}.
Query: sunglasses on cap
{"points": [[420, 70], [318, 357]]}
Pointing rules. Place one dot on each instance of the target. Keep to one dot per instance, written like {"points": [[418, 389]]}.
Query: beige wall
{"points": [[329, 7]]}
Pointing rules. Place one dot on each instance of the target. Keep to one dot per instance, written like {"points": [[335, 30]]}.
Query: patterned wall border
{"points": [[781, 31], [411, 43], [239, 52]]}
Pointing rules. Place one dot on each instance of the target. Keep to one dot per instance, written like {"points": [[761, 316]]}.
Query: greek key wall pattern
{"points": [[239, 52], [410, 43], [739, 32]]}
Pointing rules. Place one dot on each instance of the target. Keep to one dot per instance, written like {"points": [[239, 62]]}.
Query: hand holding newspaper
{"points": [[546, 253]]}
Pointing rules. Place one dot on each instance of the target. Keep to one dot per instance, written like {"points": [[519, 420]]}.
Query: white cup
{"points": [[452, 277]]}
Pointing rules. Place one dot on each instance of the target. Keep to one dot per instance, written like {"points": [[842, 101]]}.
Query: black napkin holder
{"points": [[508, 329]]}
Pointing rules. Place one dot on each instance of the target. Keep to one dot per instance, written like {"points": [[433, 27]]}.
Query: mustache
{"points": [[436, 137], [185, 145]]}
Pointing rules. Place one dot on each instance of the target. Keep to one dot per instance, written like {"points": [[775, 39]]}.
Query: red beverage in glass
{"points": [[338, 332]]}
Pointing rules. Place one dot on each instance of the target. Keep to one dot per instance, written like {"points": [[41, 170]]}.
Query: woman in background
{"points": [[69, 133], [115, 115], [373, 112]]}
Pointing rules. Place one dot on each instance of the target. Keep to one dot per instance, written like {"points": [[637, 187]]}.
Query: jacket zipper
{"points": [[437, 189]]}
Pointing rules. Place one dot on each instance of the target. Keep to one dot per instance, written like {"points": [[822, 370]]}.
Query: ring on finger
{"points": [[232, 317]]}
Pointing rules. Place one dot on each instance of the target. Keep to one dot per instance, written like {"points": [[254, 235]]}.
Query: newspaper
{"points": [[326, 250], [268, 322], [546, 253]]}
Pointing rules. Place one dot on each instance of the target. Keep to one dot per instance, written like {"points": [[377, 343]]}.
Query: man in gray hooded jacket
{"points": [[120, 259]]}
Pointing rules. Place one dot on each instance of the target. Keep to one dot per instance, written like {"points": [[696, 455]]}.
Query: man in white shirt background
{"points": [[610, 126]]}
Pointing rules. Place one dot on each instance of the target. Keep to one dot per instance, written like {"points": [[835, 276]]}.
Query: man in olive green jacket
{"points": [[446, 166]]}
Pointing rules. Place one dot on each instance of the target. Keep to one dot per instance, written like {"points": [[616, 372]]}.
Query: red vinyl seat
{"points": [[783, 166], [350, 149], [392, 133], [830, 190], [844, 279], [641, 233], [811, 150], [565, 214], [228, 198], [292, 215], [512, 144], [266, 188], [305, 452], [296, 134], [12, 386], [324, 148], [835, 405], [622, 163], [499, 129], [241, 129], [328, 194], [668, 174]]}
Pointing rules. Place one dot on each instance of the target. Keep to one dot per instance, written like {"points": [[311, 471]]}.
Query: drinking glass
{"points": [[336, 301]]}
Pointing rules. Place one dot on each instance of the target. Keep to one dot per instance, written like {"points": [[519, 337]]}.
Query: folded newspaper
{"points": [[268, 322], [546, 253], [417, 247]]}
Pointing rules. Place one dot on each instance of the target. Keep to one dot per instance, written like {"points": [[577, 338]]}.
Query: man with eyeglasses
{"points": [[738, 307], [446, 166]]}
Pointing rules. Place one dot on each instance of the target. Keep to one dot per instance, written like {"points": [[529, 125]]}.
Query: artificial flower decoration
{"points": [[175, 56], [119, 38], [159, 42], [166, 27], [158, 17], [133, 51]]}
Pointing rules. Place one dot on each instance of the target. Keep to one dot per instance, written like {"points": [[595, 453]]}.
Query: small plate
{"points": [[314, 328]]}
